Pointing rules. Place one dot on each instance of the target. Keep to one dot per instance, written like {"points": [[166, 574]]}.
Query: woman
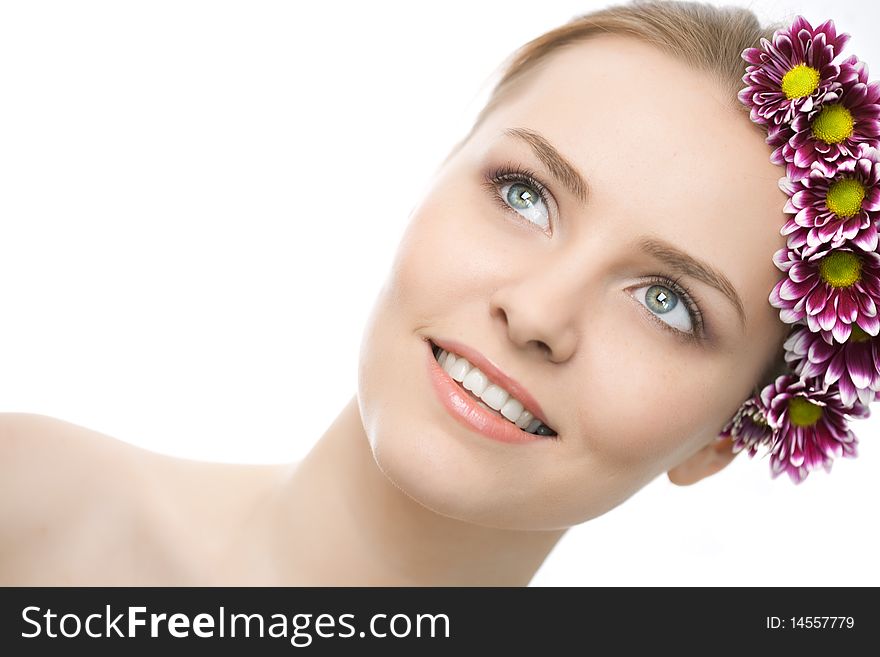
{"points": [[599, 246]]}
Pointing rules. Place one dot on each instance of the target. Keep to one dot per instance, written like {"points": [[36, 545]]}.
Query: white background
{"points": [[200, 200]]}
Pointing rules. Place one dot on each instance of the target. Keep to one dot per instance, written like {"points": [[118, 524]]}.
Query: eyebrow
{"points": [[686, 264], [568, 176], [563, 170]]}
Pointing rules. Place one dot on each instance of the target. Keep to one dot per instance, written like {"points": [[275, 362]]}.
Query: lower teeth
{"points": [[480, 402]]}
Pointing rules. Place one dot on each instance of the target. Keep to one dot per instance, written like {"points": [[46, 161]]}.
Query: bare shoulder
{"points": [[81, 507], [33, 446], [54, 475], [16, 427]]}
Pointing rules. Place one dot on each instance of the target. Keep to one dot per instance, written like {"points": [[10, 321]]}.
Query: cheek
{"points": [[643, 402], [438, 268], [443, 261]]}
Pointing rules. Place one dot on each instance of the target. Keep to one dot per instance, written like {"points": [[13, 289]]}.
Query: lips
{"points": [[463, 408], [495, 374]]}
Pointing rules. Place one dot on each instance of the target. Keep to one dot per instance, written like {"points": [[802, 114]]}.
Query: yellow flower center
{"points": [[858, 335], [800, 81], [803, 412], [840, 268], [845, 197], [833, 124]]}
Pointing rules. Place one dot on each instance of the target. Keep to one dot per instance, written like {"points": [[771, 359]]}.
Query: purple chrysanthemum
{"points": [[792, 73], [835, 209], [748, 428], [822, 120], [854, 366], [810, 427], [833, 131], [832, 290], [777, 135]]}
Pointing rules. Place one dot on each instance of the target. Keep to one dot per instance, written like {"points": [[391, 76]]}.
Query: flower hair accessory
{"points": [[823, 120]]}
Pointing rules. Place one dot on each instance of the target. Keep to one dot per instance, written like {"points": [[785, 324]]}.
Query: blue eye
{"points": [[673, 307], [518, 190]]}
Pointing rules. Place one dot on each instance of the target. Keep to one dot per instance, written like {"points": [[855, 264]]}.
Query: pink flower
{"points": [[833, 130], [853, 365], [834, 209], [748, 427], [832, 289], [810, 427], [792, 74]]}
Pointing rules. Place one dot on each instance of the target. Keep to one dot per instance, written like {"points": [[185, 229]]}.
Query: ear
{"points": [[707, 461]]}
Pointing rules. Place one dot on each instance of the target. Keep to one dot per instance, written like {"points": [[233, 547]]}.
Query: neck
{"points": [[345, 524]]}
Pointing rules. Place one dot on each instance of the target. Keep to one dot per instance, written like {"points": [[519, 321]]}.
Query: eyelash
{"points": [[687, 297], [511, 172]]}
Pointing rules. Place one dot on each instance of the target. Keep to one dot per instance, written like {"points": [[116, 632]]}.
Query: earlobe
{"points": [[707, 461]]}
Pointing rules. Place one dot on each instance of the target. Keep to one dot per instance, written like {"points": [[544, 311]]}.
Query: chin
{"points": [[464, 484], [448, 480]]}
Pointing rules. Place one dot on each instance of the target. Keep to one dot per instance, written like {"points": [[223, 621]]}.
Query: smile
{"points": [[492, 402]]}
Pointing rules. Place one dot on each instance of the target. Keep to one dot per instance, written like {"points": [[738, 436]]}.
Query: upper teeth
{"points": [[496, 397]]}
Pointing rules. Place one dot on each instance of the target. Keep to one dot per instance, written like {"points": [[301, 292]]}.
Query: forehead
{"points": [[663, 150], [622, 108]]}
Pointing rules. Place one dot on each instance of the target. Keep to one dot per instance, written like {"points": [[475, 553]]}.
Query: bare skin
{"points": [[81, 508], [99, 511], [397, 491]]}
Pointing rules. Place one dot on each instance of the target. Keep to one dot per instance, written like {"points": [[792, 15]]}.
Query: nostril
{"points": [[501, 313], [543, 346]]}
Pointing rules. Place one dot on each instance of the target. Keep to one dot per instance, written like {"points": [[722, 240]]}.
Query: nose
{"points": [[538, 311]]}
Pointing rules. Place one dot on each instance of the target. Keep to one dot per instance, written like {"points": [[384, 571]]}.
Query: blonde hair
{"points": [[708, 38]]}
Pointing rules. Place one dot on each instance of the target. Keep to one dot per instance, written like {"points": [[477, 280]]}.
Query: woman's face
{"points": [[578, 299]]}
